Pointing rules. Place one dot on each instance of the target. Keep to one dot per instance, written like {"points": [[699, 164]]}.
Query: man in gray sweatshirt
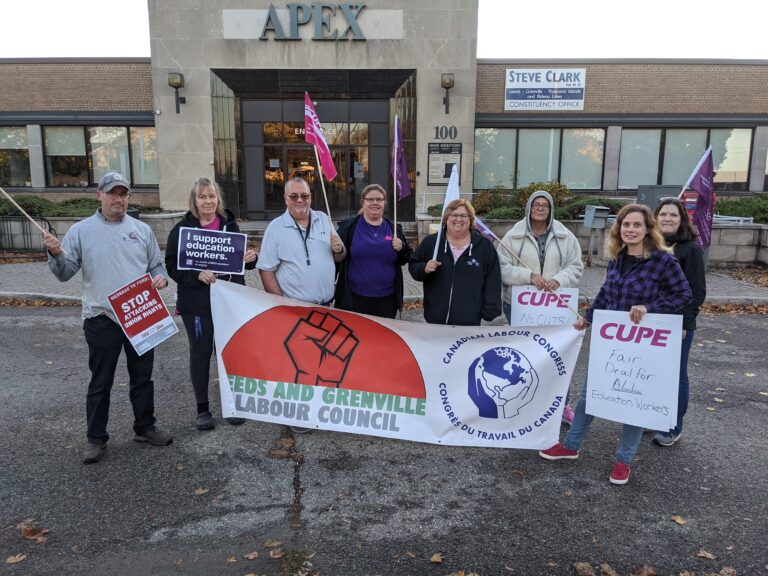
{"points": [[112, 249]]}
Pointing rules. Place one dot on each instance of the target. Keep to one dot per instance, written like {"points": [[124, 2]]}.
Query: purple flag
{"points": [[701, 181], [485, 230], [399, 169]]}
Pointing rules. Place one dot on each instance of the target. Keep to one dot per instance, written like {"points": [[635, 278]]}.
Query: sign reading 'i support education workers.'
{"points": [[214, 250]]}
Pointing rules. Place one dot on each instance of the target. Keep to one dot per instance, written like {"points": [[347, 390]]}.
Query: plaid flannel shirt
{"points": [[657, 282]]}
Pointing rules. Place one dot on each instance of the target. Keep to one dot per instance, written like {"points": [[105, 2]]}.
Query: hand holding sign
{"points": [[320, 348]]}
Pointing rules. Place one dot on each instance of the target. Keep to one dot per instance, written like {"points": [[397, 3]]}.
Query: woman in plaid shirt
{"points": [[643, 276]]}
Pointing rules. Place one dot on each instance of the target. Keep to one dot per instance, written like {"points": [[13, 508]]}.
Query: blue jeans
{"points": [[682, 394], [630, 435]]}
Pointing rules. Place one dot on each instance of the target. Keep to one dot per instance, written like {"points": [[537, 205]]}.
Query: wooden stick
{"points": [[322, 185], [20, 209]]}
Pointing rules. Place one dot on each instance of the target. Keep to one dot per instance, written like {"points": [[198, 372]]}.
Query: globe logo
{"points": [[501, 382]]}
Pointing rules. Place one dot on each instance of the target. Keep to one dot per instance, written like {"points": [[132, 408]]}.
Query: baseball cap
{"points": [[111, 180]]}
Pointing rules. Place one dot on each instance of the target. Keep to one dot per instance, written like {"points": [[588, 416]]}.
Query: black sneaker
{"points": [[204, 421], [94, 451], [235, 421], [153, 436], [666, 439]]}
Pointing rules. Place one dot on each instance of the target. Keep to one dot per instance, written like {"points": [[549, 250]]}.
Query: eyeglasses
{"points": [[377, 200], [458, 217], [122, 195], [541, 206], [295, 197]]}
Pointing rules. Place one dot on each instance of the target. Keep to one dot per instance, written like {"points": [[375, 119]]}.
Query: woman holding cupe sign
{"points": [[643, 276]]}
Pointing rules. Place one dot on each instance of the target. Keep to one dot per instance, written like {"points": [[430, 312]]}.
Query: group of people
{"points": [[359, 267]]}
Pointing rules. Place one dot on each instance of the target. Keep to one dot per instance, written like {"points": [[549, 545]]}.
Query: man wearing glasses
{"points": [[112, 250], [299, 250]]}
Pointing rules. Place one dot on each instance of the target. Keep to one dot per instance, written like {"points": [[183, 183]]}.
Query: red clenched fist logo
{"points": [[323, 347], [320, 347]]}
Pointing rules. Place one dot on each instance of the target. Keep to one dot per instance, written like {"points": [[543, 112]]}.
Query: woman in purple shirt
{"points": [[643, 276], [370, 278]]}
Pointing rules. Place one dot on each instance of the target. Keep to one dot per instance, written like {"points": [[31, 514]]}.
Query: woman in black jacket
{"points": [[370, 278], [206, 210], [680, 234], [463, 286]]}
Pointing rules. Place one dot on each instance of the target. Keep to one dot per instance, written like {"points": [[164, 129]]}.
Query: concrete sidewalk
{"points": [[36, 280]]}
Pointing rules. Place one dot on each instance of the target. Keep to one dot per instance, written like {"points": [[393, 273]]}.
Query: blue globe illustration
{"points": [[501, 378]]}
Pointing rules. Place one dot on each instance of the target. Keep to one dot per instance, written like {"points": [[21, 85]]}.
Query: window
{"points": [[682, 151], [538, 154], [109, 151], [582, 158], [730, 155], [14, 157], [65, 160], [639, 158], [144, 160], [495, 151]]}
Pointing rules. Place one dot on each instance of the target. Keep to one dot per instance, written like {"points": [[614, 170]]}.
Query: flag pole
{"points": [[322, 185], [396, 195], [20, 209]]}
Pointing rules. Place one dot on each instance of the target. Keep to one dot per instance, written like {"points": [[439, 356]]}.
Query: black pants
{"points": [[105, 341], [381, 306], [200, 335]]}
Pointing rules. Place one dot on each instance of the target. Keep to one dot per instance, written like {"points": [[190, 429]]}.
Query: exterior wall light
{"points": [[176, 81], [446, 81]]}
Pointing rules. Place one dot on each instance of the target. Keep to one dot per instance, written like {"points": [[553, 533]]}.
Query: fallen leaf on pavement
{"points": [[606, 570], [710, 409], [459, 573], [272, 543], [750, 374], [410, 554], [721, 341], [285, 442], [200, 491], [231, 559], [509, 568], [729, 548], [16, 559], [36, 533], [644, 571], [178, 562], [551, 564], [583, 569], [517, 473], [276, 553], [279, 454], [718, 400], [704, 554], [437, 558], [719, 389], [179, 466], [679, 520], [26, 523], [763, 393], [251, 555], [727, 571]]}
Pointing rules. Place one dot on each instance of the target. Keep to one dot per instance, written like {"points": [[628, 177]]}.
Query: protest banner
{"points": [[533, 307], [142, 315], [218, 251], [634, 369], [294, 363]]}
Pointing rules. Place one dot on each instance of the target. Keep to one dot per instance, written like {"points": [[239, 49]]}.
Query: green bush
{"points": [[574, 208], [560, 192], [72, 208], [756, 207], [505, 213], [487, 200]]}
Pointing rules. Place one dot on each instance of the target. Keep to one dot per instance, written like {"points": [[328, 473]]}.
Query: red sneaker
{"points": [[620, 473], [559, 452]]}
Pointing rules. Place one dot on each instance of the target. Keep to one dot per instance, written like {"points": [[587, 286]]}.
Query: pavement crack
{"points": [[286, 448]]}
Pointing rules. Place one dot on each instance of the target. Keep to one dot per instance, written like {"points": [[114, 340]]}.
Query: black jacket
{"points": [[343, 295], [194, 297], [462, 292], [691, 260]]}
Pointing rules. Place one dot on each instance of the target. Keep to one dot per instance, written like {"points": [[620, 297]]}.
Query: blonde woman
{"points": [[643, 276]]}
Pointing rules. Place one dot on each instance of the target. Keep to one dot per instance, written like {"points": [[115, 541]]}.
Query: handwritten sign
{"points": [[534, 307], [214, 250], [634, 369], [142, 315]]}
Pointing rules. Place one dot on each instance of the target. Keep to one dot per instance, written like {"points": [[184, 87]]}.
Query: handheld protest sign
{"points": [[634, 369], [218, 251], [534, 307], [142, 314]]}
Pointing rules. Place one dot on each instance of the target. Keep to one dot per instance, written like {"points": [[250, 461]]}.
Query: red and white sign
{"points": [[534, 307], [634, 369], [142, 315]]}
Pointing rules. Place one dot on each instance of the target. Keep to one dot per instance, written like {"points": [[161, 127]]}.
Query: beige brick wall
{"points": [[97, 86], [645, 88]]}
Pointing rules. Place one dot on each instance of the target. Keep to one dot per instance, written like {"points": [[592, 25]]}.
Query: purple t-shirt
{"points": [[213, 224], [372, 269]]}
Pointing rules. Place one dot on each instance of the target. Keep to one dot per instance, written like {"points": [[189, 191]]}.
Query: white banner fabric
{"points": [[634, 369], [293, 363]]}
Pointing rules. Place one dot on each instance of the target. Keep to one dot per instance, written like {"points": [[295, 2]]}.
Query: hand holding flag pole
{"points": [[20, 209]]}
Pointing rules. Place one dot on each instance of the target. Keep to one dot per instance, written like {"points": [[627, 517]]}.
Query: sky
{"points": [[549, 29]]}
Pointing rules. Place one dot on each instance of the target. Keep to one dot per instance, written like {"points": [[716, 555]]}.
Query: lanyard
{"points": [[305, 237]]}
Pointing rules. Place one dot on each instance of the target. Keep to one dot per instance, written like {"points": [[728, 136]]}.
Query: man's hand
{"points": [[207, 277], [431, 266], [159, 282], [538, 281], [320, 347], [52, 244], [337, 246]]}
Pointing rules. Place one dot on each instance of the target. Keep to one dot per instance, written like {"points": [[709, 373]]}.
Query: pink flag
{"points": [[701, 181], [314, 135]]}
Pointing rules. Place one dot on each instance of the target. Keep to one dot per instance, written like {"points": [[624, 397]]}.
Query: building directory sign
{"points": [[442, 158], [544, 89]]}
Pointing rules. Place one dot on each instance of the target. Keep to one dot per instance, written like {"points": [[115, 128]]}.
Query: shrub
{"points": [[505, 213], [756, 207], [560, 192], [575, 206], [487, 200], [72, 208]]}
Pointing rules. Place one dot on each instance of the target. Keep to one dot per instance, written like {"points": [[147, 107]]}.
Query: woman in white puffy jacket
{"points": [[550, 251]]}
